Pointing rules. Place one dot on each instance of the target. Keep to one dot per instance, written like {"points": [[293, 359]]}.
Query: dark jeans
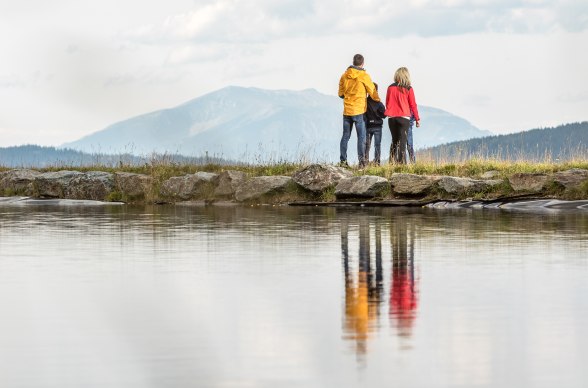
{"points": [[399, 129], [376, 133], [409, 146], [360, 128]]}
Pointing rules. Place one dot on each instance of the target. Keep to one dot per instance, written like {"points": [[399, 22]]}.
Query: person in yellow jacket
{"points": [[354, 86]]}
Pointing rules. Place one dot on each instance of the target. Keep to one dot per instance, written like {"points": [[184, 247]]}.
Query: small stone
{"points": [[261, 186], [457, 185], [366, 186], [191, 186], [413, 184], [318, 177], [530, 182], [571, 179], [228, 181], [490, 174], [133, 186], [18, 181], [54, 184], [93, 185]]}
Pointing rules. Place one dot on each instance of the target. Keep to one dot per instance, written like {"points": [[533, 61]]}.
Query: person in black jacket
{"points": [[374, 116]]}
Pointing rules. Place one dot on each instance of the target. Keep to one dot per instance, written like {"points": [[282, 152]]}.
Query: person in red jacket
{"points": [[400, 102]]}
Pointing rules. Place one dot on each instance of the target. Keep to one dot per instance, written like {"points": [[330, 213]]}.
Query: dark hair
{"points": [[357, 60], [376, 85]]}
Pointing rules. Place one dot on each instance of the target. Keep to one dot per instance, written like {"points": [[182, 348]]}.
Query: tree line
{"points": [[35, 156], [561, 143]]}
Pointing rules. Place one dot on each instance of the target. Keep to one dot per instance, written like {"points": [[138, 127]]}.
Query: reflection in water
{"points": [[403, 292], [363, 294], [364, 291], [173, 296]]}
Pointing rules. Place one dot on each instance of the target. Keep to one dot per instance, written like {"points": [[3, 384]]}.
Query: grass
{"points": [[472, 168], [162, 170]]}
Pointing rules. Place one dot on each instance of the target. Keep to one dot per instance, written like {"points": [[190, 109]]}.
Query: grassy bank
{"points": [[472, 168], [161, 170]]}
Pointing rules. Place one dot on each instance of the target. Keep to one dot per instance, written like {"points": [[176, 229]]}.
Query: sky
{"points": [[72, 67]]}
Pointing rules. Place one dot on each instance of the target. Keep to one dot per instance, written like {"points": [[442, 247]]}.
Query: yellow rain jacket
{"points": [[354, 86]]}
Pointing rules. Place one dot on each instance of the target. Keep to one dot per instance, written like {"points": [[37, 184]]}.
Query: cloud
{"points": [[574, 97], [72, 49], [477, 100], [11, 81], [21, 81], [186, 53], [230, 21], [144, 78], [233, 21]]}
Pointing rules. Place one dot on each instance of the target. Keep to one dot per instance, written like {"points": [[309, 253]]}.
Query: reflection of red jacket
{"points": [[401, 102], [403, 298]]}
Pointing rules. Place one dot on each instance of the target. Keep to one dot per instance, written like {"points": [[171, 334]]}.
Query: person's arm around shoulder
{"points": [[371, 88], [381, 111], [388, 101], [413, 107]]}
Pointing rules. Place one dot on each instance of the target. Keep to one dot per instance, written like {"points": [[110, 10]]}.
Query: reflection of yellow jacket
{"points": [[354, 86]]}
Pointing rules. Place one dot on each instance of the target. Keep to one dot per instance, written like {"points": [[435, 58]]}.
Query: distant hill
{"points": [[34, 156], [250, 124], [565, 142]]}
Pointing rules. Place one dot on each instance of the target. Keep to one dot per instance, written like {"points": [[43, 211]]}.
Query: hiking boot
{"points": [[343, 164]]}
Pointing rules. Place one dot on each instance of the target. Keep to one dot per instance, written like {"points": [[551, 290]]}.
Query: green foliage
{"points": [[115, 196], [385, 193], [328, 195], [553, 189], [580, 192], [9, 192]]}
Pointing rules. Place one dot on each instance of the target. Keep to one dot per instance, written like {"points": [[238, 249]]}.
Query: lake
{"points": [[179, 296]]}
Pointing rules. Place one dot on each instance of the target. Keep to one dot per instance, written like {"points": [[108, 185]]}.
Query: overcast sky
{"points": [[72, 67]]}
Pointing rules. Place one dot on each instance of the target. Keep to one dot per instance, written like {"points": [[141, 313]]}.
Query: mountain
{"points": [[250, 125], [565, 142]]}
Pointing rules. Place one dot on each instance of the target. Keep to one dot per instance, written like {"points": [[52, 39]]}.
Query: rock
{"points": [[189, 186], [20, 201], [413, 184], [456, 185], [261, 186], [53, 184], [531, 182], [571, 179], [366, 186], [318, 177], [490, 174], [93, 185], [132, 186], [18, 181], [227, 184]]}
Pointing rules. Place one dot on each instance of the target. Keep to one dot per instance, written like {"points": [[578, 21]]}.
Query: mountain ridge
{"points": [[561, 143], [252, 123]]}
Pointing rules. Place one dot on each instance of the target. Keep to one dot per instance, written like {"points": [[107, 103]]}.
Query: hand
{"points": [[418, 123]]}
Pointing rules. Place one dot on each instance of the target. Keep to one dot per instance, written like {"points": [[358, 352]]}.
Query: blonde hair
{"points": [[402, 78]]}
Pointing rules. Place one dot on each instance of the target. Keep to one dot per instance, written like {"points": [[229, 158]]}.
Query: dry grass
{"points": [[472, 168], [163, 167]]}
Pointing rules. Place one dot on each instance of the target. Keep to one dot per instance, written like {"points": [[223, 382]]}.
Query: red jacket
{"points": [[400, 102]]}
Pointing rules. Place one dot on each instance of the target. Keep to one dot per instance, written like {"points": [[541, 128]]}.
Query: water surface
{"points": [[289, 297]]}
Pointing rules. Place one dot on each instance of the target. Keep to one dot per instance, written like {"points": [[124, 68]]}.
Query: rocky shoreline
{"points": [[314, 184]]}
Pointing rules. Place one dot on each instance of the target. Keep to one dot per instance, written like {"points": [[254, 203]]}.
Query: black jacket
{"points": [[374, 113]]}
